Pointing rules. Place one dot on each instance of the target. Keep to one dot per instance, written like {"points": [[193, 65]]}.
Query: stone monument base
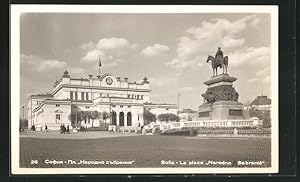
{"points": [[221, 100], [221, 110], [227, 110]]}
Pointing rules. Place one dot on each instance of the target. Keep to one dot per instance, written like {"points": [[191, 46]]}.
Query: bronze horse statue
{"points": [[218, 63]]}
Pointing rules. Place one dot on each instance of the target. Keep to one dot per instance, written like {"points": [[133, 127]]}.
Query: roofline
{"points": [[40, 96], [99, 88]]}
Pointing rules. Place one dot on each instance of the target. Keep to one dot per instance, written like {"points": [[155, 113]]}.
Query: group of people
{"points": [[82, 128], [32, 128], [64, 130]]}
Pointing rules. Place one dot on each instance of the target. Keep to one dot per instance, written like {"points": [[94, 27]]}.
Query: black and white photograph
{"points": [[144, 89]]}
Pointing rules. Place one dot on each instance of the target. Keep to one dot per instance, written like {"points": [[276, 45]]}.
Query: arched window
{"points": [[121, 119], [129, 122]]}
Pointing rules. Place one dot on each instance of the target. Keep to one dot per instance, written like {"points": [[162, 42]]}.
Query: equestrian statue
{"points": [[218, 62]]}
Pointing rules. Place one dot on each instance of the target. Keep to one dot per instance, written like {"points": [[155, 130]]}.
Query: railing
{"points": [[222, 123]]}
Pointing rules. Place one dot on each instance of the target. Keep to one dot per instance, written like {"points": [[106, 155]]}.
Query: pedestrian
{"points": [[46, 128], [68, 129], [61, 129]]}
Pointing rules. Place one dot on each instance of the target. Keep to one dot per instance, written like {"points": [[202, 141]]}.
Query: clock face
{"points": [[109, 80]]}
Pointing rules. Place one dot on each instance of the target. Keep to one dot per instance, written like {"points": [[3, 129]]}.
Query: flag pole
{"points": [[178, 95], [99, 67]]}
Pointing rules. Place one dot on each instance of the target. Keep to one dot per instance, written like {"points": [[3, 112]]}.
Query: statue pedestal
{"points": [[221, 100], [224, 110]]}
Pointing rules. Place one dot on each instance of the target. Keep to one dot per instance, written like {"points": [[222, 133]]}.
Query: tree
{"points": [[105, 115], [149, 117], [76, 114], [190, 118], [23, 123], [94, 115], [85, 115], [263, 115], [168, 117]]}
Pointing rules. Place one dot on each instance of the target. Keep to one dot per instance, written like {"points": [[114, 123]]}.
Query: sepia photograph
{"points": [[144, 89]]}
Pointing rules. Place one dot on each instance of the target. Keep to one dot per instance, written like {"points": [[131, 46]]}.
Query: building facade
{"points": [[122, 100]]}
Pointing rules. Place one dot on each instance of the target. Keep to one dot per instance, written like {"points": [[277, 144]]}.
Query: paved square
{"points": [[143, 151]]}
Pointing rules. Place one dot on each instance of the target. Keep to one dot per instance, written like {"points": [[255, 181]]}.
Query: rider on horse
{"points": [[219, 55]]}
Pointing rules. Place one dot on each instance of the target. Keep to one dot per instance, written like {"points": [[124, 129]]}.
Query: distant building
{"points": [[187, 115], [158, 109], [262, 103], [123, 100], [260, 108]]}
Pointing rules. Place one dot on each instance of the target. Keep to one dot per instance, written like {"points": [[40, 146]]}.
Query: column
{"points": [[117, 118], [125, 118]]}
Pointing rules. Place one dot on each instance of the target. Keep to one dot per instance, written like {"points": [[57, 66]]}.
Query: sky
{"points": [[170, 49]]}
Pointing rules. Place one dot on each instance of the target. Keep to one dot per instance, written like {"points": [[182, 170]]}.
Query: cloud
{"points": [[76, 70], [181, 63], [229, 42], [252, 80], [41, 64], [262, 72], [109, 50], [112, 43], [92, 56], [197, 42], [252, 55], [50, 65], [88, 45], [155, 49]]}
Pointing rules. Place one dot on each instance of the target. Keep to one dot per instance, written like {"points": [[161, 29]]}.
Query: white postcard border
{"points": [[17, 10]]}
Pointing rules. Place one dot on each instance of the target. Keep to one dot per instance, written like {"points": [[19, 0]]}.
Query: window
{"points": [[82, 95], [87, 107], [129, 106], [142, 97], [167, 109], [121, 106], [57, 105], [128, 96], [76, 96], [71, 95], [87, 96], [57, 118]]}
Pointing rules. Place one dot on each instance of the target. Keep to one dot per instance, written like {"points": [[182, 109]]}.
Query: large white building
{"points": [[124, 102]]}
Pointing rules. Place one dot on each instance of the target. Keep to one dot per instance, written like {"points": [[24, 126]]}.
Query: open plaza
{"points": [[103, 149]]}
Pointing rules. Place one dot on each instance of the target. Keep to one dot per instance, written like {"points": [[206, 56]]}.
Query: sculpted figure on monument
{"points": [[220, 93], [218, 62], [219, 54]]}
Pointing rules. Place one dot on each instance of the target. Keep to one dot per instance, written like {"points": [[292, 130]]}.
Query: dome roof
{"points": [[261, 100], [66, 74], [145, 80]]}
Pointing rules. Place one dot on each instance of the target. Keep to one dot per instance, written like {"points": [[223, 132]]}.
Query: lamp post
{"points": [[178, 96]]}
